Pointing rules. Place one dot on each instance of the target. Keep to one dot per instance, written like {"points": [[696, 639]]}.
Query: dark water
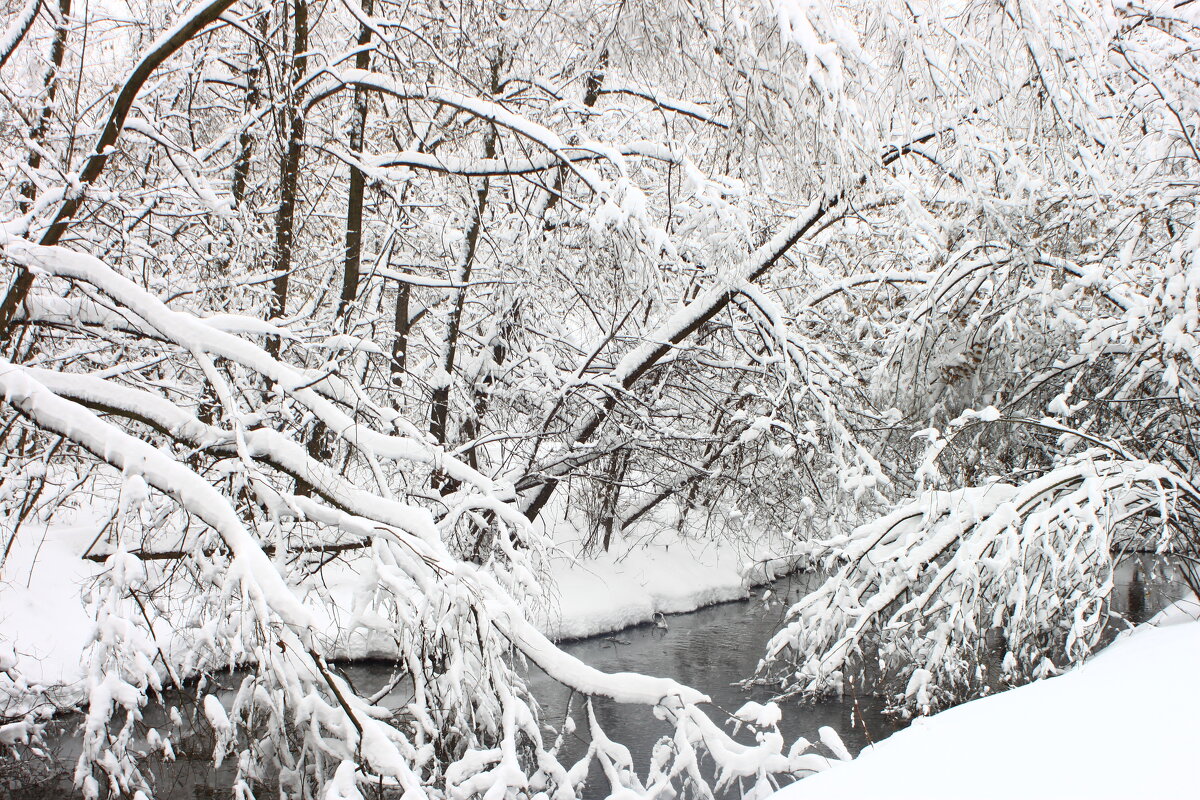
{"points": [[1145, 584], [706, 649]]}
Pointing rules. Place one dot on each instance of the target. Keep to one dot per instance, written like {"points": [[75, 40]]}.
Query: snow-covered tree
{"points": [[374, 286]]}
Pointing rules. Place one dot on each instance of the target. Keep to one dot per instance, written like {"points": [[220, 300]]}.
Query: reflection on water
{"points": [[1145, 583], [706, 649]]}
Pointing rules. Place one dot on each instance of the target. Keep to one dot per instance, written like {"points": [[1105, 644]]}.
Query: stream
{"points": [[707, 649]]}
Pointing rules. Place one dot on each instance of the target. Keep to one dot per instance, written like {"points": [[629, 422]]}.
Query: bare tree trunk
{"points": [[354, 209], [285, 215]]}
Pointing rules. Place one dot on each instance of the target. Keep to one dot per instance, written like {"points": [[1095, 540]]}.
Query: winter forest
{"points": [[335, 330]]}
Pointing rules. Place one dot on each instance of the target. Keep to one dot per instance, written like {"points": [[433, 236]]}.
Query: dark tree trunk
{"points": [[354, 208], [400, 339], [285, 216]]}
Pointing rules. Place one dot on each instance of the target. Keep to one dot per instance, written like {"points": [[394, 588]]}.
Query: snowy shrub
{"points": [[964, 591]]}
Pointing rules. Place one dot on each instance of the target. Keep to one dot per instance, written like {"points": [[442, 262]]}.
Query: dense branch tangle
{"points": [[650, 260], [406, 553], [281, 440]]}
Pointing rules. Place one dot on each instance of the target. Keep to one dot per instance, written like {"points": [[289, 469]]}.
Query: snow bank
{"points": [[1122, 725], [43, 618], [630, 584]]}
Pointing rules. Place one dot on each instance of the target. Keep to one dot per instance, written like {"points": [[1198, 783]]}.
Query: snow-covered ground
{"points": [[1123, 725], [42, 616], [631, 583], [45, 622]]}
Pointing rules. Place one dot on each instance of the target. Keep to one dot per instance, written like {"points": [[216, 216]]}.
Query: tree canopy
{"points": [[291, 286]]}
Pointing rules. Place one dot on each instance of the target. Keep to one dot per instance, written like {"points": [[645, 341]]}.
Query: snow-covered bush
{"points": [[963, 591]]}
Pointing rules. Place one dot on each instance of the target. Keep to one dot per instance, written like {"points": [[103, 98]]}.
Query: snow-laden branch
{"points": [[16, 29], [1031, 563], [486, 110], [272, 597], [135, 457], [491, 167], [192, 333], [662, 100]]}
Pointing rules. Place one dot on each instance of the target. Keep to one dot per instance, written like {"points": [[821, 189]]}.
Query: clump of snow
{"points": [[759, 714], [1122, 725], [20, 732], [830, 738], [344, 785]]}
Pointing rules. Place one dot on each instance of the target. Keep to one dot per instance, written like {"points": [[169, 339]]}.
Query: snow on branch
{"points": [[194, 334], [959, 589], [487, 110], [413, 586]]}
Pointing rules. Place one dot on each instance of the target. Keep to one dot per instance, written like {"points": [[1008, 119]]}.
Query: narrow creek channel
{"points": [[708, 649]]}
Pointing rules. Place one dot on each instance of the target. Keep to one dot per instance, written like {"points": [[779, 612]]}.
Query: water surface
{"points": [[708, 649]]}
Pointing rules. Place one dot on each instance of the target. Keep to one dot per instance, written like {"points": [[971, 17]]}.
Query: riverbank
{"points": [[1122, 725], [44, 622], [1042, 737]]}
